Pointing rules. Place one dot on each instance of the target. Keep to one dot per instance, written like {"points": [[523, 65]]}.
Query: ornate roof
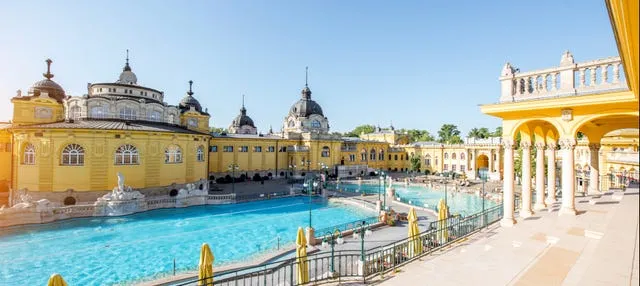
{"points": [[305, 106], [243, 119], [47, 85], [188, 101], [127, 76]]}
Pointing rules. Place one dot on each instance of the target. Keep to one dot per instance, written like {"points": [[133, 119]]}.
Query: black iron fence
{"points": [[350, 265], [346, 226]]}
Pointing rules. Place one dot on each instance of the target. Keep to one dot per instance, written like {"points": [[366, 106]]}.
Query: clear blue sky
{"points": [[419, 64]]}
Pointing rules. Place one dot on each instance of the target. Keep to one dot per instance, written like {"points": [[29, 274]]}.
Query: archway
{"points": [[482, 166]]}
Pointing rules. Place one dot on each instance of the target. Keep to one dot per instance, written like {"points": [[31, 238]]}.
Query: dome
{"points": [[47, 85], [306, 106], [188, 100], [243, 119], [127, 76]]}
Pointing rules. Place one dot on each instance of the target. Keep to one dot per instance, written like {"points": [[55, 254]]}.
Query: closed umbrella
{"points": [[56, 280], [414, 232], [205, 267], [301, 257], [443, 211]]}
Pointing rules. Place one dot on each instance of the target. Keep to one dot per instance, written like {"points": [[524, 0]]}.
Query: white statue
{"points": [[120, 181]]}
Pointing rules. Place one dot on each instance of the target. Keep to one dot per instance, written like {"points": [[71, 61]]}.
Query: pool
{"points": [[106, 251], [459, 203]]}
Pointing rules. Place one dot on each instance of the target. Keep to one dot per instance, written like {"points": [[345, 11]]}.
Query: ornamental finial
{"points": [[48, 75]]}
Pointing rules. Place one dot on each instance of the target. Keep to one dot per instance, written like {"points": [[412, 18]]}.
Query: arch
{"points": [[594, 128], [325, 151], [29, 154], [173, 154], [72, 155], [453, 156], [372, 154], [462, 156], [526, 127], [69, 201], [126, 154], [446, 155], [381, 155]]}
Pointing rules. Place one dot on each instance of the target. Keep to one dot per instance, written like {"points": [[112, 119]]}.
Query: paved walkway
{"points": [[599, 246]]}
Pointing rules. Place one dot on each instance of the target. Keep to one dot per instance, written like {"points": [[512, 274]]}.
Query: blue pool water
{"points": [[459, 203], [106, 251]]}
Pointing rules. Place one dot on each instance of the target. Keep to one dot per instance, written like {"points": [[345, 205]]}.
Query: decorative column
{"points": [[507, 187], [568, 177], [540, 177], [594, 165], [526, 179], [551, 173]]}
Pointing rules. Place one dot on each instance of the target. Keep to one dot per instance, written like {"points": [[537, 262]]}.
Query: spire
{"points": [[126, 65], [306, 76], [243, 110], [270, 129], [306, 92], [48, 75], [190, 92]]}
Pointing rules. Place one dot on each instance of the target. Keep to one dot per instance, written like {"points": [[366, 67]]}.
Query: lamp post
{"points": [[363, 229], [331, 239], [233, 167], [484, 218], [292, 168]]}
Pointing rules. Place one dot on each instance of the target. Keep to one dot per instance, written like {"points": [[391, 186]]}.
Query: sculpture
{"points": [[120, 181], [121, 192]]}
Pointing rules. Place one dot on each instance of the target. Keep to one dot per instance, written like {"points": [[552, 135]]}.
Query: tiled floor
{"points": [[599, 246]]}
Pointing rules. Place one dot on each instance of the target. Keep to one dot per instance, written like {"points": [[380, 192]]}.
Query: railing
{"points": [[349, 265], [221, 197], [346, 226], [75, 211], [348, 148], [623, 157], [264, 196], [569, 78], [297, 148]]}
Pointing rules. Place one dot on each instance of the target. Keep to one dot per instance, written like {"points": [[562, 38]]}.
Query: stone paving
{"points": [[599, 246]]}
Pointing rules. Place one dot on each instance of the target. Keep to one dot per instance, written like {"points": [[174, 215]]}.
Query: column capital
{"points": [[508, 144], [567, 144], [594, 147], [525, 145], [552, 146], [540, 146]]}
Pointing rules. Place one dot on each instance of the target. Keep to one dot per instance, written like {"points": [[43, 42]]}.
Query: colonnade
{"points": [[567, 146]]}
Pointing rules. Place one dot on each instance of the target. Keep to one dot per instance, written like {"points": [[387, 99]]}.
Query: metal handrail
{"points": [[349, 265], [348, 225]]}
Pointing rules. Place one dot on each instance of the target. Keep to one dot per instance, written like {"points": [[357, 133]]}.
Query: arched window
{"points": [[292, 123], [461, 156], [171, 118], [155, 115], [325, 151], [29, 157], [446, 155], [315, 124], [128, 113], [453, 156], [172, 154], [74, 112], [363, 155], [98, 112], [200, 154], [127, 155], [381, 155], [72, 155], [372, 155]]}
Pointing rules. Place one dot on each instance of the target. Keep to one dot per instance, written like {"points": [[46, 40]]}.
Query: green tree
{"points": [[479, 133], [366, 129], [498, 132], [416, 135], [415, 163], [218, 130], [448, 133]]}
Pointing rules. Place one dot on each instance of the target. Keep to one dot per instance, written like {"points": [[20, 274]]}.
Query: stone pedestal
{"points": [[311, 236]]}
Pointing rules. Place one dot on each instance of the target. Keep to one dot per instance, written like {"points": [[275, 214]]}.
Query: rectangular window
{"points": [[453, 168], [427, 162], [271, 149], [446, 167], [213, 148], [363, 157], [283, 149], [389, 157], [462, 168], [257, 148], [244, 149], [227, 149], [352, 158]]}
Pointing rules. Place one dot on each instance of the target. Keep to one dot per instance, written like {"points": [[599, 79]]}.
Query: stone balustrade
{"points": [[623, 157], [568, 79], [298, 148]]}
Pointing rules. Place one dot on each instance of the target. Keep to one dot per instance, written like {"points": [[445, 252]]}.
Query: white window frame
{"points": [[29, 155], [72, 155], [127, 154], [173, 155]]}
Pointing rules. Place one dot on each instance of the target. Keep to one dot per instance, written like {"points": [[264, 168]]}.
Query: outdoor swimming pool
{"points": [[459, 203], [105, 251]]}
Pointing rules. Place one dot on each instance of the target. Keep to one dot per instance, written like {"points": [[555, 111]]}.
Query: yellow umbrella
{"points": [[301, 257], [442, 216], [414, 231], [205, 267], [56, 280]]}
